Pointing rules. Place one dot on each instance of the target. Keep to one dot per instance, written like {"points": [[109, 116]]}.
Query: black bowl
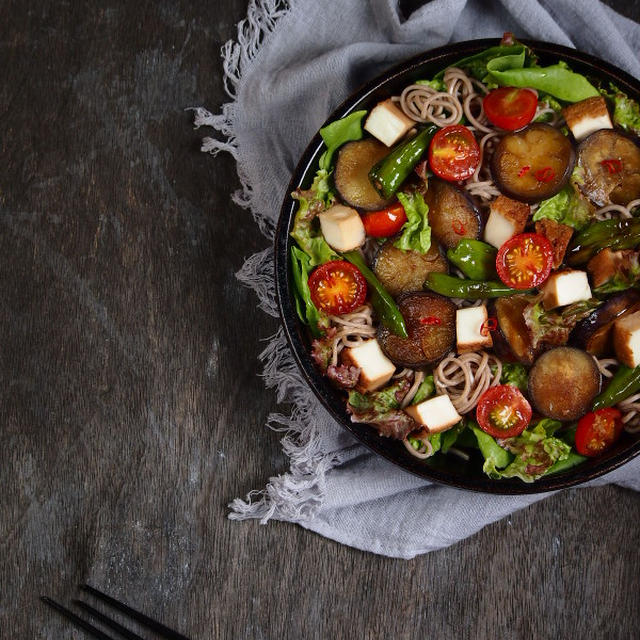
{"points": [[443, 469]]}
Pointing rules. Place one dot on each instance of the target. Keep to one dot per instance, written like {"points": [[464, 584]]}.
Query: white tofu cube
{"points": [[507, 218], [587, 116], [472, 331], [565, 287], [435, 414], [388, 123], [342, 228], [499, 229], [626, 339], [375, 368]]}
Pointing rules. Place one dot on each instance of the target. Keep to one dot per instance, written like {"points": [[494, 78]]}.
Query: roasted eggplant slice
{"points": [[532, 164], [594, 333], [514, 338], [611, 165], [351, 175], [452, 214], [403, 271], [431, 325], [563, 383]]}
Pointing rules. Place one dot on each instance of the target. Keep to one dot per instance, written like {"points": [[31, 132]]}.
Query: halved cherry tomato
{"points": [[454, 153], [597, 431], [337, 287], [524, 261], [386, 222], [510, 108], [503, 412]]}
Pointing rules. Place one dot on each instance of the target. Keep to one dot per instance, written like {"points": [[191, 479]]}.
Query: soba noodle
{"points": [[352, 329], [466, 377]]}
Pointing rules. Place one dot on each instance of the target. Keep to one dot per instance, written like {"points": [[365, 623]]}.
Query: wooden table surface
{"points": [[130, 408]]}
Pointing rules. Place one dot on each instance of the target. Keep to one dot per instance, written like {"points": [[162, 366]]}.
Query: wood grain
{"points": [[130, 409]]}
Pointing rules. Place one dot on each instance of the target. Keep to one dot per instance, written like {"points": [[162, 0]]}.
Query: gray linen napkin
{"points": [[291, 65]]}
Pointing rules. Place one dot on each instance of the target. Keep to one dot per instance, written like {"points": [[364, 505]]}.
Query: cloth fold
{"points": [[291, 64]]}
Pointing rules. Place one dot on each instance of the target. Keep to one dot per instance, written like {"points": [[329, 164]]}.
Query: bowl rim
{"points": [[331, 398]]}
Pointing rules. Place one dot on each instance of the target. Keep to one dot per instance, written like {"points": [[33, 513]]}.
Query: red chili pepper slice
{"points": [[490, 324], [458, 227], [523, 170], [546, 174], [613, 165], [431, 320]]}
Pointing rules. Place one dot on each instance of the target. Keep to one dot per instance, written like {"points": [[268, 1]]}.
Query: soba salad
{"points": [[466, 260]]}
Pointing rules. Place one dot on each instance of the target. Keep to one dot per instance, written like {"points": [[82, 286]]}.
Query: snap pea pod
{"points": [[624, 383], [614, 234], [453, 287], [490, 449], [572, 460], [476, 259], [382, 302], [388, 174]]}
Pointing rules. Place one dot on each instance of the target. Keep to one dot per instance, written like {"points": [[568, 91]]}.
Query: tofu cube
{"points": [[507, 218], [472, 333], [565, 287], [342, 228], [626, 339], [388, 123], [375, 368], [435, 414], [587, 116]]}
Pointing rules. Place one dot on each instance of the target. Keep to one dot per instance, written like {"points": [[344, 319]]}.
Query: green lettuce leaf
{"points": [[308, 313], [551, 102], [306, 230], [568, 207], [416, 232], [535, 453], [425, 390], [437, 84], [514, 374], [338, 133], [554, 326], [626, 111], [495, 457]]}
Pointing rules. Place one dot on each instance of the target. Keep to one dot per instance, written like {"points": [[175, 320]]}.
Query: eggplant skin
{"points": [[431, 325], [402, 271], [453, 214], [351, 174], [605, 183], [563, 383], [594, 333], [513, 336]]}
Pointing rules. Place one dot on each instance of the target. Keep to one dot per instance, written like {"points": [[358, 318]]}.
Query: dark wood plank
{"points": [[130, 409]]}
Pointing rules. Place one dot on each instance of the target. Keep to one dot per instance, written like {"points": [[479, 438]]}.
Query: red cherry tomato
{"points": [[386, 222], [337, 287], [597, 431], [524, 261], [454, 153], [510, 108], [503, 412]]}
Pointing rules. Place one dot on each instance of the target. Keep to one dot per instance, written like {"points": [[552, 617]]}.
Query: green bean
{"points": [[571, 461], [453, 287], [476, 259], [382, 302], [388, 174], [624, 383]]}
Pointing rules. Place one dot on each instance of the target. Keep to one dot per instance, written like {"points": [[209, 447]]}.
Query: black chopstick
{"points": [[159, 628], [98, 615], [79, 622]]}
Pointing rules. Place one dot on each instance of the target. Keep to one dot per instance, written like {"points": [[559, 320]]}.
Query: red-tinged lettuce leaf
{"points": [[381, 409], [345, 376]]}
